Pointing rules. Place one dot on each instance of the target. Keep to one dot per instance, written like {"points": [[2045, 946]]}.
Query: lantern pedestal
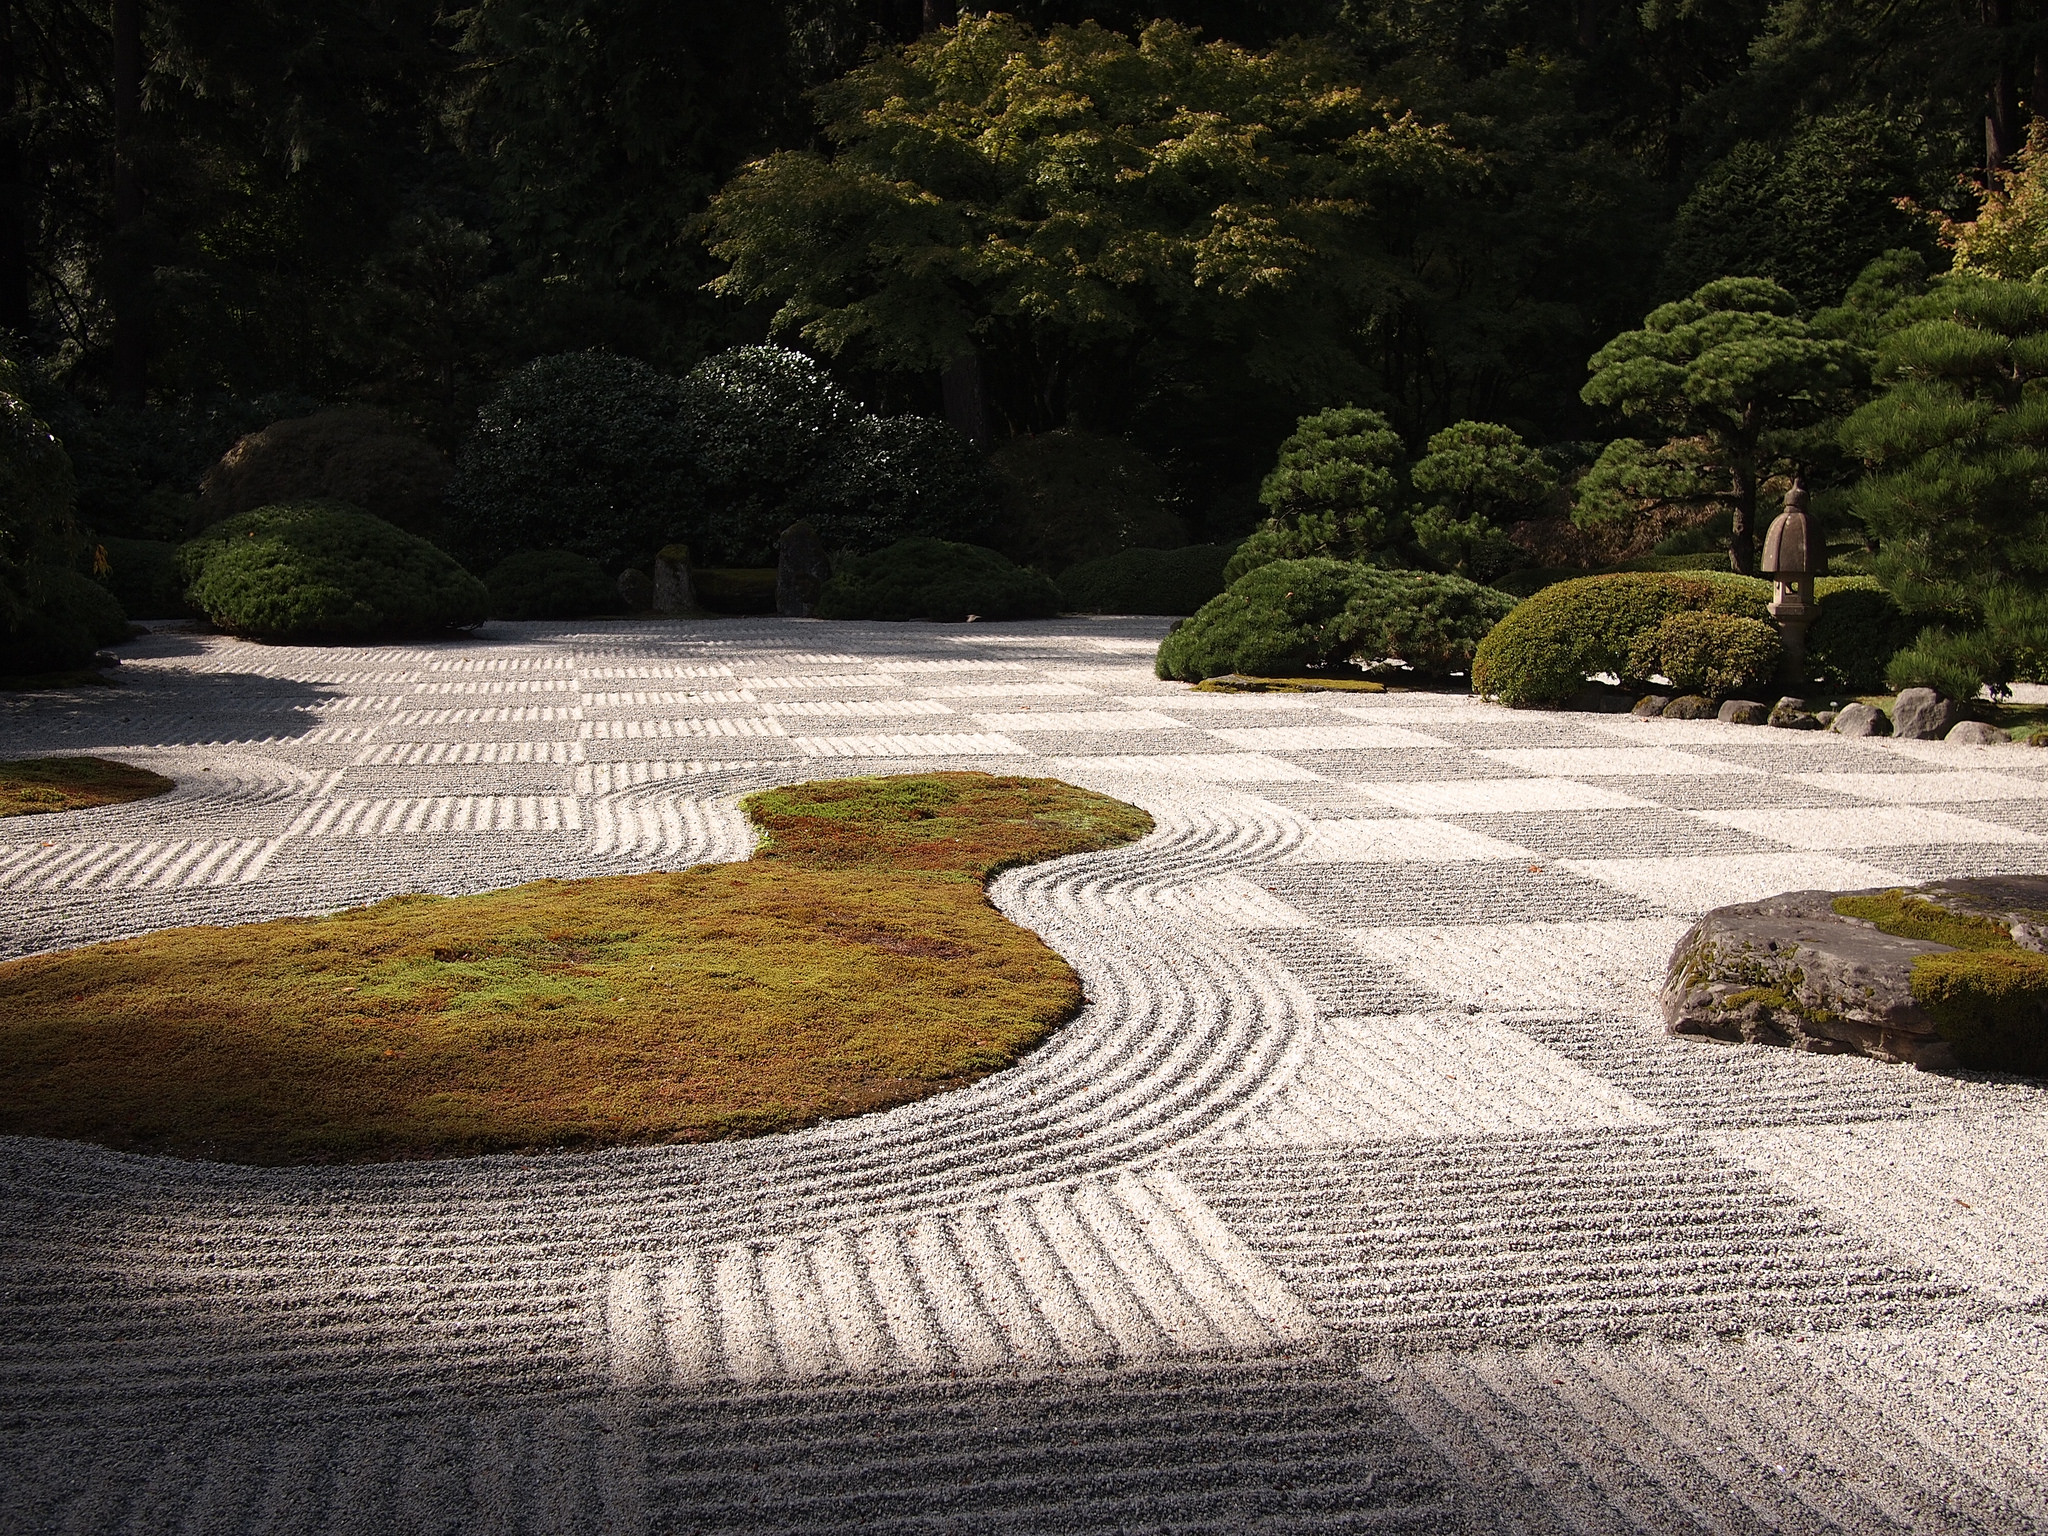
{"points": [[1792, 609]]}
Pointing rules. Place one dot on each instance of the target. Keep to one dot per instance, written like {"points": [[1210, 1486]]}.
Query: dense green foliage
{"points": [[896, 477], [1855, 635], [1175, 581], [1957, 443], [321, 572], [356, 456], [550, 584], [585, 452], [1732, 374], [1716, 654], [143, 575], [1542, 652], [1290, 614], [935, 579], [1333, 494], [64, 619], [1071, 496], [1475, 480]]}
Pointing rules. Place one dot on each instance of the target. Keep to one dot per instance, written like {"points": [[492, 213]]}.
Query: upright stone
{"points": [[1921, 714], [1743, 712], [801, 571], [1651, 705], [673, 590]]}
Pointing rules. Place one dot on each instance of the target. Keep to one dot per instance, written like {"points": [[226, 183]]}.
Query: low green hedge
{"points": [[143, 576], [1857, 631], [1716, 654], [67, 618], [735, 588], [1164, 581], [319, 571], [935, 579], [551, 584], [1279, 618]]}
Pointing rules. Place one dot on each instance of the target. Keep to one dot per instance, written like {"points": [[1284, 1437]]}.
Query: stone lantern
{"points": [[1794, 553]]}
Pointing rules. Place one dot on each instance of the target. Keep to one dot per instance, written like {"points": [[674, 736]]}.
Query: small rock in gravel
{"points": [[1975, 733], [1651, 704], [1744, 712], [1921, 714], [801, 571], [1861, 720], [1825, 718], [1791, 715], [1691, 706]]}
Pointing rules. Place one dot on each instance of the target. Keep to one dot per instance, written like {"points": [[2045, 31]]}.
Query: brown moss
{"points": [[855, 964], [39, 785]]}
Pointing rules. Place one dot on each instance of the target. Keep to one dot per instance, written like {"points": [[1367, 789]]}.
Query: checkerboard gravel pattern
{"points": [[1365, 1194]]}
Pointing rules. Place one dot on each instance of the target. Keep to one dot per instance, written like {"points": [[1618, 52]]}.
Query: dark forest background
{"points": [[214, 214]]}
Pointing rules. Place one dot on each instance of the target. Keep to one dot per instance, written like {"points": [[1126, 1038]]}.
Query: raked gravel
{"points": [[1365, 1194]]}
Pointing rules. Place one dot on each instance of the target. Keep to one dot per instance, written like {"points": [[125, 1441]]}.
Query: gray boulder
{"points": [[1921, 714], [1744, 712], [636, 590], [1860, 720], [1975, 733], [1824, 718], [1651, 705], [801, 571], [1691, 706], [1790, 714]]}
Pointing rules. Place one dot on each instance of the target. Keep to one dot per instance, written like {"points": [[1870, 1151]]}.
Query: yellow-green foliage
{"points": [[853, 964], [40, 784], [1988, 996]]}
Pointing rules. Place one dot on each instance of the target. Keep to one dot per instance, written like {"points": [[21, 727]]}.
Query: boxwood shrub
{"points": [[935, 579], [143, 576], [359, 457], [1857, 631], [317, 571], [1716, 654], [1173, 581], [551, 584], [1291, 614]]}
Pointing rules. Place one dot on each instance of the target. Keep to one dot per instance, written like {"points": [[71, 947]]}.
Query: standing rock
{"points": [[1690, 706], [1860, 720], [1921, 714], [636, 590], [801, 571], [673, 591], [1744, 712], [1651, 705], [1975, 733]]}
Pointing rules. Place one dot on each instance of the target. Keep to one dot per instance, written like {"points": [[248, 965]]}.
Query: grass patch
{"points": [[38, 785], [854, 963], [1234, 682]]}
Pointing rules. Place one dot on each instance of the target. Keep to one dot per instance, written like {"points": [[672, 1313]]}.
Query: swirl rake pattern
{"points": [[1364, 1193]]}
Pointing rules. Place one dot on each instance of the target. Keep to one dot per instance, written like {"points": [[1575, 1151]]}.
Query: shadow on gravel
{"points": [[156, 709]]}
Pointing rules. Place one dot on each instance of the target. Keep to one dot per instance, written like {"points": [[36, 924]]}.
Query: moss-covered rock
{"points": [[314, 571], [934, 579], [1280, 618]]}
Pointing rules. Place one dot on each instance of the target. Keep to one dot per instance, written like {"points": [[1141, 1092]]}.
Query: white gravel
{"points": [[1365, 1194]]}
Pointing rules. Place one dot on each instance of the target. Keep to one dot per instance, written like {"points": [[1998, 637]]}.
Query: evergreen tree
{"points": [[1735, 368], [1335, 492], [1957, 489], [1478, 477]]}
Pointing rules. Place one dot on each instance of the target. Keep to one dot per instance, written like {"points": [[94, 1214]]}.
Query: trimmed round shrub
{"points": [[1173, 581], [1856, 633], [736, 588], [935, 579], [1069, 497], [550, 584], [65, 618], [764, 420], [1292, 614], [1716, 654], [143, 576], [898, 477], [1542, 652], [352, 455], [317, 571], [582, 451]]}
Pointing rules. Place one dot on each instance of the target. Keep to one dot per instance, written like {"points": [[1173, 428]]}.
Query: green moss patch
{"points": [[37, 785], [1233, 682], [854, 963], [1989, 997]]}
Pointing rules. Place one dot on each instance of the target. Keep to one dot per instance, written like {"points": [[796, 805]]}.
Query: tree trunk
{"points": [[966, 406], [14, 314], [125, 270], [2001, 104], [940, 13], [1742, 538]]}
